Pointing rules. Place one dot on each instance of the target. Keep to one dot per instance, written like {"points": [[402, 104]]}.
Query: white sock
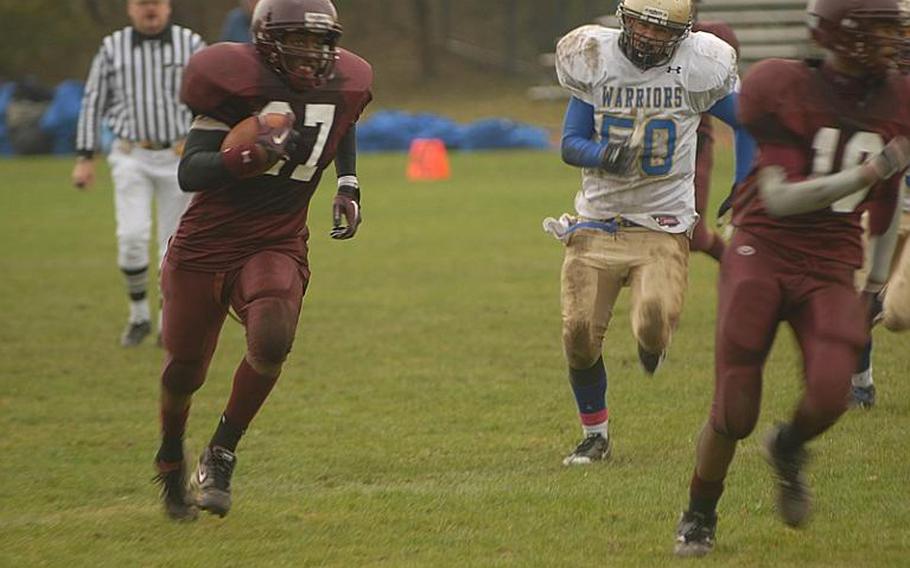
{"points": [[863, 379], [601, 429], [139, 311]]}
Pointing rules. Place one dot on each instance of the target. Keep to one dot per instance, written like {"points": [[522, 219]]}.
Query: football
{"points": [[247, 132]]}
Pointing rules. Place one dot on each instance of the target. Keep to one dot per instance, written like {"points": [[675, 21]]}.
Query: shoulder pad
{"points": [[353, 72], [711, 70], [580, 59], [719, 29], [219, 72], [769, 100]]}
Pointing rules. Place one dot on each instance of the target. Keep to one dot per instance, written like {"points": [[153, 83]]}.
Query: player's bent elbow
{"points": [[571, 153], [186, 177]]}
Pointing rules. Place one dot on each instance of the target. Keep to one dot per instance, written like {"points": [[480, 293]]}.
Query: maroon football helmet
{"points": [[298, 39], [870, 33]]}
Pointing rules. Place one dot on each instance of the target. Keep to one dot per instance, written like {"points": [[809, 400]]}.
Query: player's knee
{"points": [[896, 319], [735, 424], [580, 343], [271, 324], [133, 250], [183, 377]]}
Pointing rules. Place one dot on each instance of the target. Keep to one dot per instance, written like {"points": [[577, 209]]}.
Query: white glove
{"points": [[559, 228]]}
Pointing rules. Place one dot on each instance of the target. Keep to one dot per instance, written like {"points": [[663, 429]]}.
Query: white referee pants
{"points": [[139, 175]]}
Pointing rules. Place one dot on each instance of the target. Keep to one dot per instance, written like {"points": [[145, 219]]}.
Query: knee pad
{"points": [[183, 377], [270, 327], [582, 349], [736, 415]]}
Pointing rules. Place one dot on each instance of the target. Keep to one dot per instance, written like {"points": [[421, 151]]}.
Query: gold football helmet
{"points": [[653, 29]]}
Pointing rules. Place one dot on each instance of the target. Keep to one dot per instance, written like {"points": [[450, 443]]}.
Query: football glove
{"points": [[621, 158], [277, 137], [347, 205]]}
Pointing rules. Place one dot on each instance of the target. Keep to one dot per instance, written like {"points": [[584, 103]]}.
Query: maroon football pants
{"points": [[760, 286], [266, 293]]}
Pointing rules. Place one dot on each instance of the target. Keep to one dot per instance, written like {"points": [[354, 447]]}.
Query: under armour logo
{"points": [[678, 69], [246, 157]]}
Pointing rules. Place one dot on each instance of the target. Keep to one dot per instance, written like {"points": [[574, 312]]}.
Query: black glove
{"points": [[620, 158], [346, 204]]}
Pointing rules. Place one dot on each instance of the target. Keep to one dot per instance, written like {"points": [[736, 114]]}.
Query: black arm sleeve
{"points": [[201, 166], [346, 156]]}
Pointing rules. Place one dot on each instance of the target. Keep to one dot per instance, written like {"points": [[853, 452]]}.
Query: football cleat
{"points": [[794, 499], [863, 397], [695, 534], [595, 447], [135, 332], [210, 486], [650, 362], [171, 477]]}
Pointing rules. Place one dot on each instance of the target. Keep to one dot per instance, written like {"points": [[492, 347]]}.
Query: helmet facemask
{"points": [[649, 38], [871, 40], [304, 54]]}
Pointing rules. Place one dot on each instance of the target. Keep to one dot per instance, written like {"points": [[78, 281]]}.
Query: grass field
{"points": [[423, 414]]}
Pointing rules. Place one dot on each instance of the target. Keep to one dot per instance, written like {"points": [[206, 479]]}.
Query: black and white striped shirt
{"points": [[134, 87]]}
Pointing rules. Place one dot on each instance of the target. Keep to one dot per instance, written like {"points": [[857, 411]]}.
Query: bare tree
{"points": [[426, 46]]}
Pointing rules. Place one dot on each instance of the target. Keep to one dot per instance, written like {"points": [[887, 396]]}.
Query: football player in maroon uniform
{"points": [[242, 243], [832, 136], [704, 238]]}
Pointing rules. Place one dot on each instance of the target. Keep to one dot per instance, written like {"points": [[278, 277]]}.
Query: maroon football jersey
{"points": [[229, 82], [813, 123]]}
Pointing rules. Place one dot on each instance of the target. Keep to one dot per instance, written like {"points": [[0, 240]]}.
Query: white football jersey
{"points": [[669, 99]]}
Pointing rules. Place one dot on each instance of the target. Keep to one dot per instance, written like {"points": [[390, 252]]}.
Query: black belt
{"points": [[619, 221]]}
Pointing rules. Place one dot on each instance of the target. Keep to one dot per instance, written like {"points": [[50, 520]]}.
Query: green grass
{"points": [[423, 414]]}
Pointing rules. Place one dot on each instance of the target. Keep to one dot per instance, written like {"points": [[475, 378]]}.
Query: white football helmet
{"points": [[653, 29]]}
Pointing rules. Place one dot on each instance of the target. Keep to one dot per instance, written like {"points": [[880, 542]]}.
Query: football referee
{"points": [[133, 87]]}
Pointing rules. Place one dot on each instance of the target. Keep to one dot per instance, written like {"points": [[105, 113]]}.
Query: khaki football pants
{"points": [[653, 264], [897, 294]]}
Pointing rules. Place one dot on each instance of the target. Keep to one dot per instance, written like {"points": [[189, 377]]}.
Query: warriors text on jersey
{"points": [[814, 123], [227, 83], [669, 98]]}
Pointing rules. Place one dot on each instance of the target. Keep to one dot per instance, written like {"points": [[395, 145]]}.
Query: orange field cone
{"points": [[428, 160]]}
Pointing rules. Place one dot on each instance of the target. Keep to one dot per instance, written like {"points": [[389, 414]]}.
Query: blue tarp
{"points": [[62, 116], [389, 130], [384, 130], [6, 94]]}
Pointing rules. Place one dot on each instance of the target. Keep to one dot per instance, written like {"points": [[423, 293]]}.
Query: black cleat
{"points": [[650, 362], [794, 499], [210, 486], [135, 332], [695, 534], [595, 447], [862, 397], [172, 479]]}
